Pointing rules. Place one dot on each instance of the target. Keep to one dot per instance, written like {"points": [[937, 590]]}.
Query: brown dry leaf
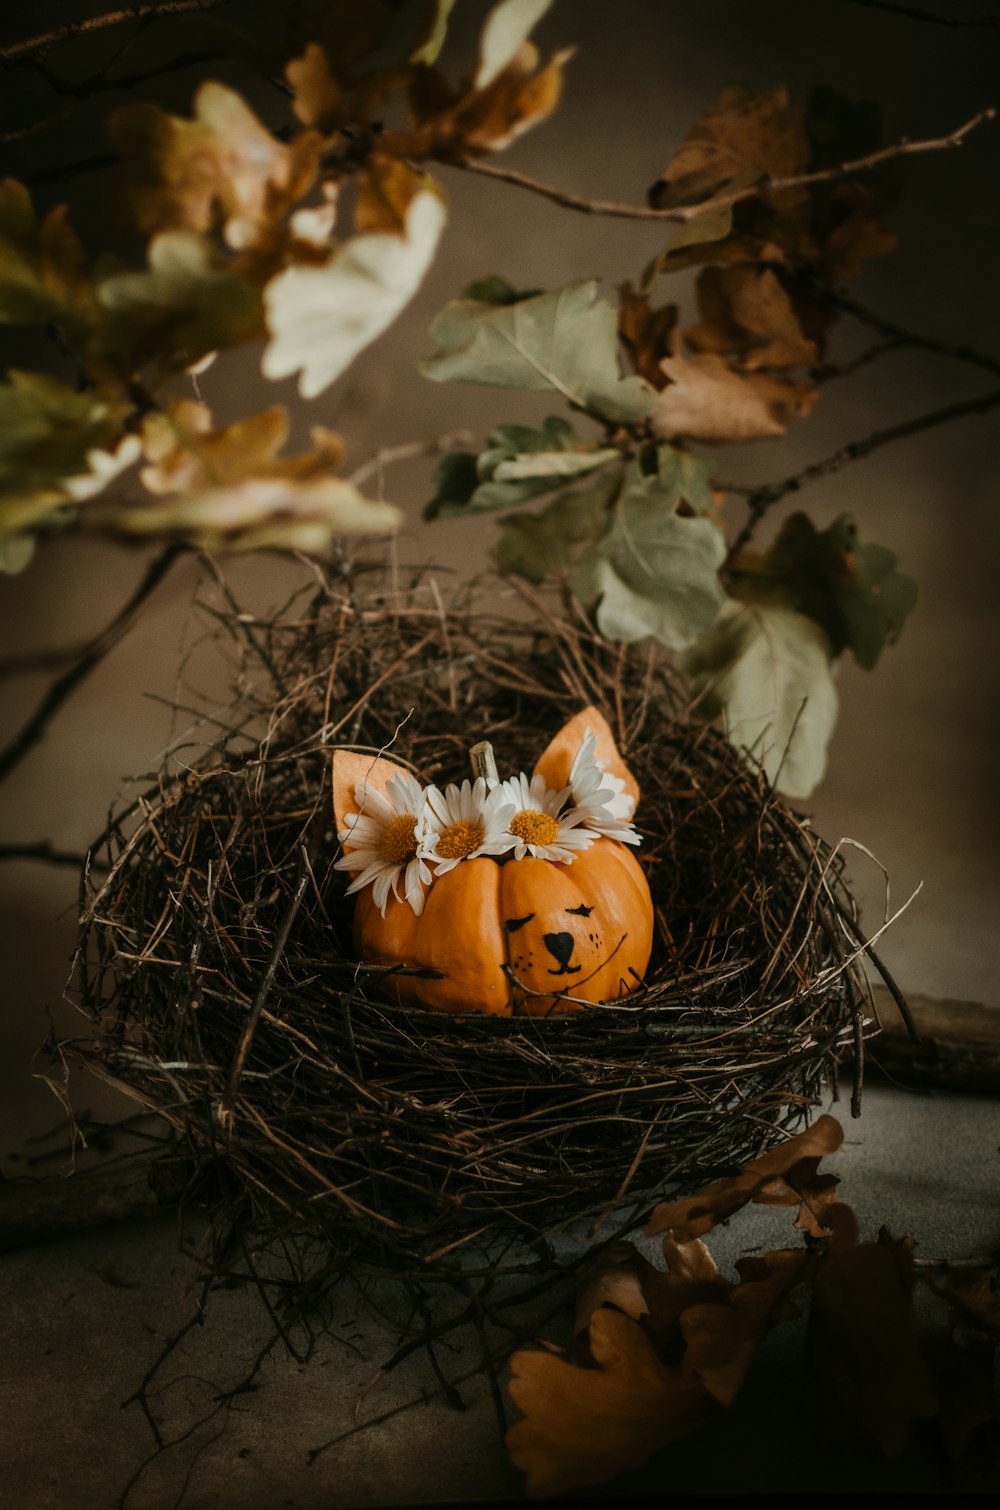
{"points": [[854, 233], [451, 126], [814, 1192], [317, 98], [761, 134], [971, 1294], [861, 1338], [228, 489], [223, 167], [747, 313], [706, 400], [647, 334], [615, 1282], [694, 1215], [385, 191], [723, 1336], [582, 1426]]}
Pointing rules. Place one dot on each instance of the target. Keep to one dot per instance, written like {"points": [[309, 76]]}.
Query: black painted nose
{"points": [[560, 946]]}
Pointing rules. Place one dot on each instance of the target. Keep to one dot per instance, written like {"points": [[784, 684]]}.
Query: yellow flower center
{"points": [[399, 839], [459, 840], [535, 828]]}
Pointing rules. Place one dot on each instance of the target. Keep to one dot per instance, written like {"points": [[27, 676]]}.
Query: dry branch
{"points": [[764, 186]]}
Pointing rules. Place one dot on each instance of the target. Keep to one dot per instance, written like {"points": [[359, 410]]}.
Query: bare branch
{"points": [[916, 13], [762, 188], [896, 333], [410, 451], [31, 732], [99, 23], [45, 852], [762, 499]]}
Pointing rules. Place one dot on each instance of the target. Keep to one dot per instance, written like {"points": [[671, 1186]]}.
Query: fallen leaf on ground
{"points": [[861, 1338], [582, 1426], [693, 1215], [723, 1336]]}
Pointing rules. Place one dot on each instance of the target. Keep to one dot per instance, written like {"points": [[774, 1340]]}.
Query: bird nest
{"points": [[217, 967]]}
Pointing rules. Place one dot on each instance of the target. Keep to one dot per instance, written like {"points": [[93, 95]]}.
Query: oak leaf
{"points": [[707, 400], [534, 545], [320, 317], [565, 340], [746, 312], [654, 571], [582, 1426], [761, 133], [647, 334], [769, 673], [222, 168], [861, 1337], [187, 303], [691, 1216], [44, 273], [722, 1336], [228, 489]]}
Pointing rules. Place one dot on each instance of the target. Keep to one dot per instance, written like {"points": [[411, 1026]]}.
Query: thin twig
{"points": [[410, 451], [917, 13], [897, 334], [762, 499], [32, 731], [764, 186], [45, 852], [90, 24]]}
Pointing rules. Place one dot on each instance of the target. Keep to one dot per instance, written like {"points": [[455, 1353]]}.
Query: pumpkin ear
{"points": [[557, 758], [351, 768]]}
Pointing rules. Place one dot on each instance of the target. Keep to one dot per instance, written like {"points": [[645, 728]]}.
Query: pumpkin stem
{"points": [[484, 763]]}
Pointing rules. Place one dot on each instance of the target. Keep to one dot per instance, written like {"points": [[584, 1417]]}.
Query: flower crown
{"points": [[408, 834]]}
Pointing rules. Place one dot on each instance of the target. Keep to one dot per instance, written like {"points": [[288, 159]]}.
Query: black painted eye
{"points": [[513, 924], [583, 911]]}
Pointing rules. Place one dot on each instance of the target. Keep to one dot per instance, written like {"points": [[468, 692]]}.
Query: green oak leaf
{"points": [[47, 430], [519, 463], [853, 590], [533, 545], [685, 477], [654, 571], [565, 340], [43, 267], [185, 305], [768, 671]]}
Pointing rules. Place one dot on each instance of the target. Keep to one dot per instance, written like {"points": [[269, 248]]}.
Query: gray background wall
{"points": [[913, 765]]}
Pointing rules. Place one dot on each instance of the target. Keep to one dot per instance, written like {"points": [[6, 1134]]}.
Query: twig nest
{"points": [[331, 1070]]}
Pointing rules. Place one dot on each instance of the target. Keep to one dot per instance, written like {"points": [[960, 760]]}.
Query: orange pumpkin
{"points": [[531, 935]]}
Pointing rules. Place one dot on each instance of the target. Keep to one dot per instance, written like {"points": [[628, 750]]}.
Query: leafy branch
{"points": [[762, 188]]}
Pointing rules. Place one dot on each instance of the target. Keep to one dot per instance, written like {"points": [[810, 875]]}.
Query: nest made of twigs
{"points": [[216, 960]]}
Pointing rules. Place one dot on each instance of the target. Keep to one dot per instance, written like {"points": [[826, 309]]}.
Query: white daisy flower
{"points": [[599, 796], [390, 842], [539, 825], [467, 821]]}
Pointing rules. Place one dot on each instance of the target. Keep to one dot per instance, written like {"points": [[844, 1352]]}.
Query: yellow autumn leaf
{"points": [[223, 167]]}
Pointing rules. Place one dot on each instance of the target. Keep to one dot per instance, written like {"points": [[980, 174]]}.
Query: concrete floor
{"points": [[85, 1317]]}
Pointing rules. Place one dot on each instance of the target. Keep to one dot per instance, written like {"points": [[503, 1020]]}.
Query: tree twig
{"points": [[43, 851], [917, 13], [764, 186], [32, 731], [897, 334], [410, 451], [91, 24], [762, 499]]}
